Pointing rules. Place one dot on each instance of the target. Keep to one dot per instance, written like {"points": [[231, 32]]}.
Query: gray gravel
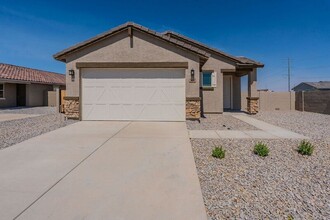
{"points": [[245, 186], [16, 131], [219, 122], [312, 125], [32, 110]]}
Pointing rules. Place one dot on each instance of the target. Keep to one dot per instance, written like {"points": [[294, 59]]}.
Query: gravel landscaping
{"points": [[32, 110], [282, 185], [313, 125], [16, 131], [219, 122]]}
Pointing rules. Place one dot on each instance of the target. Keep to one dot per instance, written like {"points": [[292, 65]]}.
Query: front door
{"points": [[21, 94], [227, 92]]}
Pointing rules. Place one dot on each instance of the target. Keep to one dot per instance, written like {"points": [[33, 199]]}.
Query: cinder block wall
{"points": [[36, 94], [313, 101], [270, 101], [51, 100]]}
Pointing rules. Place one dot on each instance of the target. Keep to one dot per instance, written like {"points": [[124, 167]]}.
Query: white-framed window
{"points": [[2, 91], [209, 79]]}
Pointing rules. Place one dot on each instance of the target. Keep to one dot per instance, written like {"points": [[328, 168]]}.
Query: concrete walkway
{"points": [[9, 117], [267, 131], [102, 170]]}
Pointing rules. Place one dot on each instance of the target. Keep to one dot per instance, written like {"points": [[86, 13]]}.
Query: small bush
{"points": [[218, 152], [290, 217], [261, 149], [305, 148]]}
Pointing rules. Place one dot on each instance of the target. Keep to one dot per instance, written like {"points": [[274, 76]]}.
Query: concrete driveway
{"points": [[102, 170]]}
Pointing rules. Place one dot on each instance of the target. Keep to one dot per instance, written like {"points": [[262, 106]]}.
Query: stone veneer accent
{"points": [[71, 107], [193, 108], [252, 105]]}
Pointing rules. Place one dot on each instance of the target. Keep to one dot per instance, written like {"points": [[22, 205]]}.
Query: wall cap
{"points": [[71, 98], [193, 99], [252, 98]]}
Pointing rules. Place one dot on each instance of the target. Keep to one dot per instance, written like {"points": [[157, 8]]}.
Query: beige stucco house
{"points": [[23, 86], [134, 73]]}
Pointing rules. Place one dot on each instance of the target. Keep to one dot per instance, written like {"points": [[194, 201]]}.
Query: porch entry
{"points": [[21, 95], [227, 92]]}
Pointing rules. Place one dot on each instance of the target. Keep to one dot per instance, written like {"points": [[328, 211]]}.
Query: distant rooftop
{"points": [[19, 73], [319, 85]]}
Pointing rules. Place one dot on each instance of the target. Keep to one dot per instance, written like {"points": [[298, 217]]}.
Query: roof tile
{"points": [[12, 72]]}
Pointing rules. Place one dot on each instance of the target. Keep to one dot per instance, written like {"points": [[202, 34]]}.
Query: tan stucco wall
{"points": [[145, 49], [10, 96], [213, 99], [270, 101], [36, 94]]}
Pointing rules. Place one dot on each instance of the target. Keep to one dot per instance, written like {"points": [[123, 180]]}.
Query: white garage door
{"points": [[133, 94]]}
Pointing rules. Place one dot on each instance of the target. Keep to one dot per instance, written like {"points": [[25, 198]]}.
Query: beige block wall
{"points": [[10, 96], [213, 98], [52, 98], [270, 101], [36, 94], [144, 49]]}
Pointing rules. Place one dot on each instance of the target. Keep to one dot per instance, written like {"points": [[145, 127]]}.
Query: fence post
{"points": [[303, 100]]}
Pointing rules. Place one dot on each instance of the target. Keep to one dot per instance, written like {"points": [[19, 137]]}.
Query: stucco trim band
{"points": [[183, 65]]}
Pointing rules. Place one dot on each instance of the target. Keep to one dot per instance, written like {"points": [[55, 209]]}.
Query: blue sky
{"points": [[267, 31]]}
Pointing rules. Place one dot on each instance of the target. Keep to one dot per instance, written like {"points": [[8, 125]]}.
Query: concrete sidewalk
{"points": [[102, 170], [267, 131]]}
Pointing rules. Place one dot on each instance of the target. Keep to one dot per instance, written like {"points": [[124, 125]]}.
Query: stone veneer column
{"points": [[252, 105], [71, 107], [252, 99], [193, 108]]}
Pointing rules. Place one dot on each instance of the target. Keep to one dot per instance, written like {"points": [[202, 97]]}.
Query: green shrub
{"points": [[218, 152], [261, 149], [290, 217], [305, 148]]}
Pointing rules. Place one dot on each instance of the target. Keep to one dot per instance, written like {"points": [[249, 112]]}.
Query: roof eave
{"points": [[251, 65], [61, 56]]}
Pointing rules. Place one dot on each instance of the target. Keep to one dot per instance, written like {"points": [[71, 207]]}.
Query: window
{"points": [[207, 79], [2, 91]]}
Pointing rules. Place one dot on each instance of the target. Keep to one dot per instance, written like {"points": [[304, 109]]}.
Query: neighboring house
{"points": [[311, 86], [134, 73], [22, 86]]}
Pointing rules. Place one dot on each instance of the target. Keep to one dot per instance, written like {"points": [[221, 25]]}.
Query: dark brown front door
{"points": [[21, 94]]}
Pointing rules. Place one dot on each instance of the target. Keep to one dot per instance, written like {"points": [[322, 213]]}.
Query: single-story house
{"points": [[22, 86], [312, 86], [133, 73]]}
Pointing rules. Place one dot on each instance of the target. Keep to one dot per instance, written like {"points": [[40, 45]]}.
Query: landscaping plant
{"points": [[261, 149], [218, 152], [305, 148]]}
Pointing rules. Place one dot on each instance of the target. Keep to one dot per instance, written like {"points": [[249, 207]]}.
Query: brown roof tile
{"points": [[12, 72], [239, 60]]}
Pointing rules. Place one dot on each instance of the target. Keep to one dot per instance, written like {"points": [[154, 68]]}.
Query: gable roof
{"points": [[19, 73], [171, 37], [240, 60], [321, 85], [60, 55]]}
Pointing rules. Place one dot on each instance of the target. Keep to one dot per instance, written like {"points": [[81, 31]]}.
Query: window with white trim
{"points": [[207, 79], [2, 90]]}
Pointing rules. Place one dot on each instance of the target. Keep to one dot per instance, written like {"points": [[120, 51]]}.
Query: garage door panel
{"points": [[128, 94]]}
